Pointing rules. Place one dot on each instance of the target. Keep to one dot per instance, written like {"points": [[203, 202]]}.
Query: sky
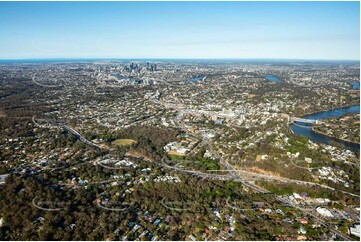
{"points": [[236, 30]]}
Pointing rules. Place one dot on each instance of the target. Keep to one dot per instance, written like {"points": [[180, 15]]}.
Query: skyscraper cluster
{"points": [[136, 68]]}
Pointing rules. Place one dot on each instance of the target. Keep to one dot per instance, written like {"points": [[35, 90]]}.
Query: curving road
{"points": [[43, 85]]}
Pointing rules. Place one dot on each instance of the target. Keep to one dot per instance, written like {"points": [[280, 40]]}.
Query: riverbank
{"points": [[319, 137], [330, 136], [328, 110]]}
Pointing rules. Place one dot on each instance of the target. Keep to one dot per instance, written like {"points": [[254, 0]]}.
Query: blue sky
{"points": [[281, 30]]}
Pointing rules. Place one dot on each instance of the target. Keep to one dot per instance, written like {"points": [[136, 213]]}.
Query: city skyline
{"points": [[180, 30]]}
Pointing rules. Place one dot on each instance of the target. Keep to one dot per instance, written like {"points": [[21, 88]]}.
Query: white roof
{"points": [[324, 212], [355, 230]]}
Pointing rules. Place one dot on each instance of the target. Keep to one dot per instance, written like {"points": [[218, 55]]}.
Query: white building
{"points": [[302, 230], [324, 212], [355, 230], [2, 178], [308, 160], [297, 196]]}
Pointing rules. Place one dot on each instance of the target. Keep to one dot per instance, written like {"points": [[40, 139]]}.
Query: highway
{"points": [[47, 126], [83, 139], [74, 132], [197, 173], [43, 85], [237, 175], [257, 176], [234, 175], [283, 179]]}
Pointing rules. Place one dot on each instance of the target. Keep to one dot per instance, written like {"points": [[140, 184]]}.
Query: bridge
{"points": [[303, 120], [81, 138]]}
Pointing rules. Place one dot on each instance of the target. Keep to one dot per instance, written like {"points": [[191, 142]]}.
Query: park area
{"points": [[123, 142]]}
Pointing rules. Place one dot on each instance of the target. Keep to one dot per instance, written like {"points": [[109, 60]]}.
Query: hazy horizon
{"points": [[180, 30]]}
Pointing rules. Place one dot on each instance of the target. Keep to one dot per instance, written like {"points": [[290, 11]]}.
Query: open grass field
{"points": [[123, 142], [173, 152]]}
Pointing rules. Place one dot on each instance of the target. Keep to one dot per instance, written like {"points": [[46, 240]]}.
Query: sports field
{"points": [[123, 142]]}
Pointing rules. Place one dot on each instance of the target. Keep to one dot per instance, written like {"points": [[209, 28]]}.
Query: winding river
{"points": [[334, 113]]}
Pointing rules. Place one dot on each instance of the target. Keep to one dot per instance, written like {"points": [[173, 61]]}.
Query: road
{"points": [[232, 176], [193, 172], [47, 126], [43, 85], [305, 168], [317, 218], [83, 139], [235, 175], [283, 179]]}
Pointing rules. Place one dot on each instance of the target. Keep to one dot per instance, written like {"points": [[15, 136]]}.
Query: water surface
{"points": [[194, 79], [272, 78], [356, 85], [319, 138]]}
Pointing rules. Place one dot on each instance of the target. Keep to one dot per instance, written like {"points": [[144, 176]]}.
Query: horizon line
{"points": [[172, 58]]}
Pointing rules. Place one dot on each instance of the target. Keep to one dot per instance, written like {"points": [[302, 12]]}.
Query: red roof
{"points": [[303, 220]]}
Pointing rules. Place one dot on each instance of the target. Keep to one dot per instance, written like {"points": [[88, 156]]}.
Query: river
{"points": [[272, 78], [355, 85], [119, 77], [315, 137], [194, 79]]}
